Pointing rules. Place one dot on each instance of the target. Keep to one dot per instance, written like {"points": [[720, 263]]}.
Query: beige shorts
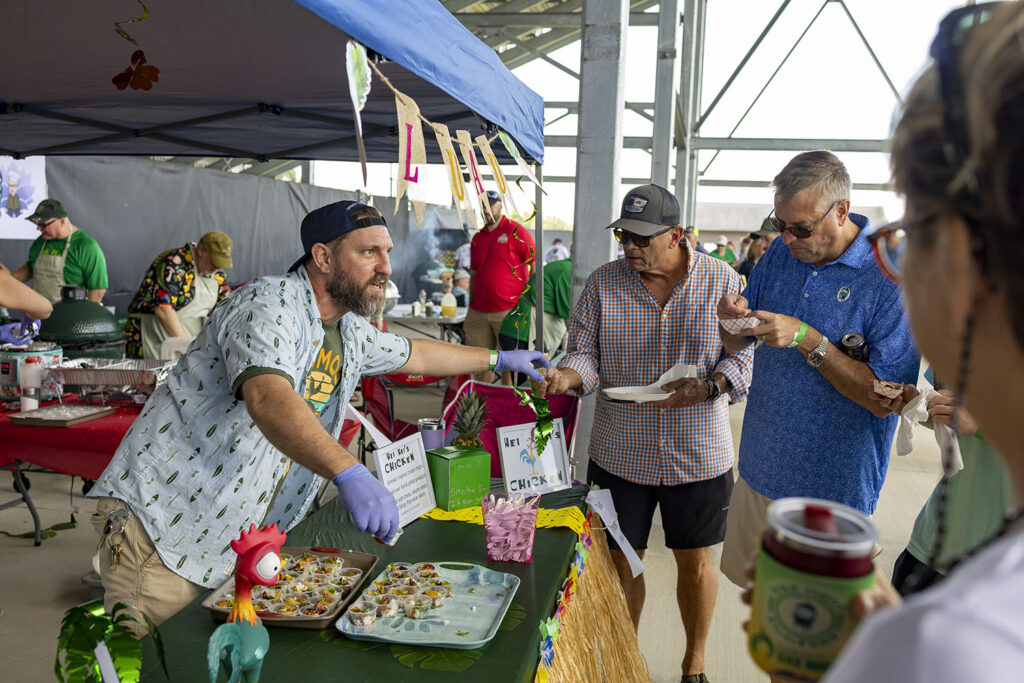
{"points": [[140, 577], [482, 328], [743, 527]]}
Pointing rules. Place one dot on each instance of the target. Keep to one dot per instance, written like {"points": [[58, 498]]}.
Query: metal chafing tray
{"points": [[101, 372]]}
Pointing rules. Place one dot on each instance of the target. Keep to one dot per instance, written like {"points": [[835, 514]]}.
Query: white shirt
{"points": [[462, 259], [969, 627], [557, 252]]}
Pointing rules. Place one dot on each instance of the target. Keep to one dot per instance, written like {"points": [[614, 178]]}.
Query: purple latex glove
{"points": [[371, 505], [29, 327], [525, 362], [10, 334]]}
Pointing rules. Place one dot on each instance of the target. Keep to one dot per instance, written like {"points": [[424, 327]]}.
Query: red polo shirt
{"points": [[500, 257]]}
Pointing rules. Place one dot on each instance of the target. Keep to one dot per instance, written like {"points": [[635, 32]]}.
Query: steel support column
{"points": [[664, 91], [602, 96]]}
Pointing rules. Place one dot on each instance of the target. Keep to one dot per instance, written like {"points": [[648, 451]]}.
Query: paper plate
{"points": [[636, 394]]}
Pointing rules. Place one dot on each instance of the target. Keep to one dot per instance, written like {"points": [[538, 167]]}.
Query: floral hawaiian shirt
{"points": [[170, 279], [194, 468]]}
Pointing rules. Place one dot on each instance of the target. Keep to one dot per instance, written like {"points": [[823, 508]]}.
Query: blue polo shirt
{"points": [[801, 437]]}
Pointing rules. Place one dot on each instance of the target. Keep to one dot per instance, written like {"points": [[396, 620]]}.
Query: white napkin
{"points": [[916, 412], [677, 371]]}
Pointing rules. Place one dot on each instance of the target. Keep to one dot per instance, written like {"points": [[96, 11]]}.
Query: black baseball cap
{"points": [[330, 222], [646, 210]]}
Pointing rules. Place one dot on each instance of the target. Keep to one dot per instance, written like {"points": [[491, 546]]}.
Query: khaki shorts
{"points": [[482, 328], [140, 577], [743, 527]]}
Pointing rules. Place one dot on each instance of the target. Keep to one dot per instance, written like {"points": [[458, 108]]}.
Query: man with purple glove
{"points": [[248, 421]]}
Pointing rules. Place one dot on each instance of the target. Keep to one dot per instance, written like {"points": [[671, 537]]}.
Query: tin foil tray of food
{"points": [[108, 372]]}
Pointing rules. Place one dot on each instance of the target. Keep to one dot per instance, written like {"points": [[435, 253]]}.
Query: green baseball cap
{"points": [[47, 209], [219, 245]]}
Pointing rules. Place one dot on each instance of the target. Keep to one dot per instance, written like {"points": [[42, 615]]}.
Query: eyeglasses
{"points": [[796, 230], [44, 226], [889, 243], [623, 236]]}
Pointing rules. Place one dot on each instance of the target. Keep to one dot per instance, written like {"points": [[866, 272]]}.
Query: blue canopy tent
{"points": [[261, 79]]}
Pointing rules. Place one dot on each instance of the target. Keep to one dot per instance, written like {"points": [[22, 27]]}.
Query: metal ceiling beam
{"points": [[541, 19], [790, 145], [572, 141], [764, 184]]}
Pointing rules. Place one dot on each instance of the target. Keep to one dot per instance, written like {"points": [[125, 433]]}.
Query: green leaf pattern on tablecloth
{"points": [[513, 617], [435, 658], [192, 449]]}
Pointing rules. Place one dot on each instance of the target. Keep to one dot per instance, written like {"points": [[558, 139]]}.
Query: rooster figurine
{"points": [[241, 644]]}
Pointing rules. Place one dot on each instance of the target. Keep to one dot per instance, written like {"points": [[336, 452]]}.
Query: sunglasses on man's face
{"points": [[623, 236], [798, 231]]}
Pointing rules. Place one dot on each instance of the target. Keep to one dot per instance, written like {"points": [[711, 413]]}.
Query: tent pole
{"points": [[539, 264]]}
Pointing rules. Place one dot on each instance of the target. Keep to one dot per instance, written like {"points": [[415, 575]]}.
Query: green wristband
{"points": [[494, 360], [799, 336]]}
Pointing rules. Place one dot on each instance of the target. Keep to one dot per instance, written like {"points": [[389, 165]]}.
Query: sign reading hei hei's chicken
{"points": [[525, 470], [402, 468]]}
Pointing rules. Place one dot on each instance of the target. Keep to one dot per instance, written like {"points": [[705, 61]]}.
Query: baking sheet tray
{"points": [[61, 415], [351, 559], [468, 619]]}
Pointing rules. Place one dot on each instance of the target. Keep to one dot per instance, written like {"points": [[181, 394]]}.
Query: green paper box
{"points": [[461, 475]]}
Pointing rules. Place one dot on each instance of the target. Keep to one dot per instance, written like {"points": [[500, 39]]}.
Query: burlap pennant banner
{"points": [[499, 177], [412, 154], [469, 159], [460, 193]]}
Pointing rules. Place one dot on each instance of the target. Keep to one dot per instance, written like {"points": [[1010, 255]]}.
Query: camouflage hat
{"points": [[47, 209], [219, 245]]}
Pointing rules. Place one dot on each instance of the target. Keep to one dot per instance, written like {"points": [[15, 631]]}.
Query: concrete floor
{"points": [[37, 585]]}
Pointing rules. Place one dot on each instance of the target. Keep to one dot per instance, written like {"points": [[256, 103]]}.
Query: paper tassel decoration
{"points": [[510, 146], [499, 177], [469, 161], [510, 522], [357, 68], [412, 154], [460, 193]]}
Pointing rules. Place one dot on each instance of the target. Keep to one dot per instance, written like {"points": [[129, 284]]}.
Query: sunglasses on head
{"points": [[623, 236], [889, 243], [798, 231]]}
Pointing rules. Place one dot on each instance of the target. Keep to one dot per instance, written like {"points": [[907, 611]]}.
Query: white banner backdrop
{"points": [[22, 187]]}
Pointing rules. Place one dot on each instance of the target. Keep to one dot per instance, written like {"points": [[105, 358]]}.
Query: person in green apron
{"points": [[63, 254], [178, 292]]}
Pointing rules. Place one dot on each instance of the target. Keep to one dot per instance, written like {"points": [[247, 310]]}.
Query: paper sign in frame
{"points": [[511, 456]]}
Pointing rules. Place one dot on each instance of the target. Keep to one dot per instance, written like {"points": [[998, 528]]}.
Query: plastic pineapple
{"points": [[470, 420]]}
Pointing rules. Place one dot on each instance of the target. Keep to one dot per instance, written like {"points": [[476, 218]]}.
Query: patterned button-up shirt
{"points": [[620, 336], [194, 468]]}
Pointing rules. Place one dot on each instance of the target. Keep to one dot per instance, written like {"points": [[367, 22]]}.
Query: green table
{"points": [[297, 654]]}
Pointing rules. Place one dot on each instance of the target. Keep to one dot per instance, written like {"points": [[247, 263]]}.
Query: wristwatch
{"points": [[816, 357]]}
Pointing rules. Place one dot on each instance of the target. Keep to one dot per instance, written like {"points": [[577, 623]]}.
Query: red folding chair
{"points": [[503, 410], [379, 404]]}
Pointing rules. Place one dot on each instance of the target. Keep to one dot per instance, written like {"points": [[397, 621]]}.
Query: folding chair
{"points": [[503, 410]]}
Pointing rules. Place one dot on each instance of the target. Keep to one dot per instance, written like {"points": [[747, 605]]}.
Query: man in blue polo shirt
{"points": [[811, 427]]}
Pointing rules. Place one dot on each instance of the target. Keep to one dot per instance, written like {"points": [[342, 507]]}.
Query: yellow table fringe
{"points": [[570, 517]]}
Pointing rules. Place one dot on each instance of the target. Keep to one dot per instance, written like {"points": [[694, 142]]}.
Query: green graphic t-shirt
{"points": [[322, 380]]}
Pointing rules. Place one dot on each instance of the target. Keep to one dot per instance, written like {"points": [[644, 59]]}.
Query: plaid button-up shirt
{"points": [[620, 336]]}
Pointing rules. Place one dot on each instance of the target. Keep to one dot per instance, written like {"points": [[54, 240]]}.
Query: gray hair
{"points": [[820, 170]]}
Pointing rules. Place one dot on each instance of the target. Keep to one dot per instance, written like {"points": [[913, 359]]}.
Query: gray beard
{"points": [[354, 297]]}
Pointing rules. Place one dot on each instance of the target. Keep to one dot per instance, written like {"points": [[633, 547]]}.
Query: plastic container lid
{"points": [[821, 527]]}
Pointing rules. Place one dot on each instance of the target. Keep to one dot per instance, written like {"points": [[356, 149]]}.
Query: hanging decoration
{"points": [[359, 77], [499, 177], [412, 154], [139, 75], [469, 160], [460, 195], [510, 147]]}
